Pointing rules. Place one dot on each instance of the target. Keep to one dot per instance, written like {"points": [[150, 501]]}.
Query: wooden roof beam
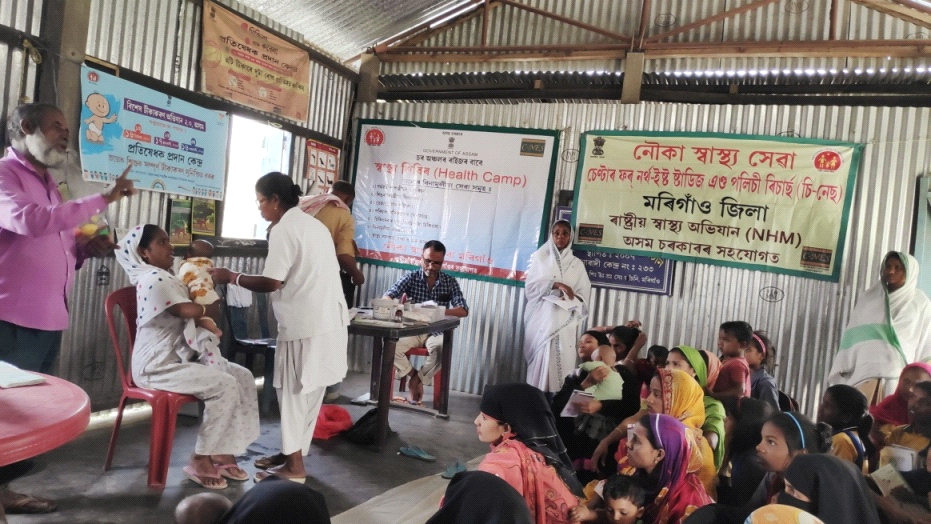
{"points": [[570, 21], [710, 20], [908, 12], [812, 48]]}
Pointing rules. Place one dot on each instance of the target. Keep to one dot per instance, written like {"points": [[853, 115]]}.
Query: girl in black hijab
{"points": [[829, 488], [477, 497], [526, 450]]}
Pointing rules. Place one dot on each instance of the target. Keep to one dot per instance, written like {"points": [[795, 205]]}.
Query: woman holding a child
{"points": [[171, 331], [557, 290]]}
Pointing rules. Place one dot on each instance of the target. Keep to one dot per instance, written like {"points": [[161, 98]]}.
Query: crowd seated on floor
{"points": [[661, 461]]}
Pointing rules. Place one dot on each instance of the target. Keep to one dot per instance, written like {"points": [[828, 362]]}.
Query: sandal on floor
{"points": [[262, 475], [270, 461], [451, 471], [196, 478], [417, 453], [29, 504], [224, 471]]}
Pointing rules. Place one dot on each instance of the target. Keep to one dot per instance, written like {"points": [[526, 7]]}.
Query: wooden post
{"points": [[369, 68], [633, 78]]}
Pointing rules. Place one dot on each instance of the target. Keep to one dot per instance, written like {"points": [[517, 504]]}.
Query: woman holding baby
{"points": [[172, 331]]}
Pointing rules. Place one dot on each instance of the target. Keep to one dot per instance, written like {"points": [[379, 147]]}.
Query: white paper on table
{"points": [[11, 376]]}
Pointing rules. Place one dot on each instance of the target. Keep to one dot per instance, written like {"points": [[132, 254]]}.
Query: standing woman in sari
{"points": [[889, 328], [550, 329]]}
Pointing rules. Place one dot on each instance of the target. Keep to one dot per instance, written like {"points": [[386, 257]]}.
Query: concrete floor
{"points": [[344, 473]]}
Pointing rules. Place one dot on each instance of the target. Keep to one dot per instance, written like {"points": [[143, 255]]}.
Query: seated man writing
{"points": [[423, 285]]}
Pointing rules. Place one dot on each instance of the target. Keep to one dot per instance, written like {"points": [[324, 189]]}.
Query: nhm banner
{"points": [[483, 191], [755, 202]]}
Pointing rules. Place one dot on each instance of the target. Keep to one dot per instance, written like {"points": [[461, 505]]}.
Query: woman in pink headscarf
{"points": [[894, 408]]}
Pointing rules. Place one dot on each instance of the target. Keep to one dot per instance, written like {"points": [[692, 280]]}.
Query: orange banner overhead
{"points": [[248, 65]]}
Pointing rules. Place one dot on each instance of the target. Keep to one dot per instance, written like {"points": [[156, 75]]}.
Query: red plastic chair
{"points": [[165, 404], [437, 379]]}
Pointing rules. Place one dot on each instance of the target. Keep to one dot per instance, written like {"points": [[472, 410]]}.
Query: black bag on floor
{"points": [[365, 430]]}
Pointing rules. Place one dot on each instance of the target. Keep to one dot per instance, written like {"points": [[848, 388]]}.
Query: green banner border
{"points": [[547, 205], [833, 276]]}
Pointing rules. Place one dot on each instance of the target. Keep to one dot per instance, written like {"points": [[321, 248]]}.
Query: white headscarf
{"points": [[157, 290], [901, 297], [549, 256], [886, 331]]}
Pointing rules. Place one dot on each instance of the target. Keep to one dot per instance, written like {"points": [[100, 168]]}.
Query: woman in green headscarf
{"points": [[690, 360]]}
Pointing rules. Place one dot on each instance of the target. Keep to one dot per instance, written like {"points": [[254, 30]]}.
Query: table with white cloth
{"points": [[385, 336]]}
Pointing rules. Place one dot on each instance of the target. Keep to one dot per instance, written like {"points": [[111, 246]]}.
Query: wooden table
{"points": [[384, 340], [40, 418]]}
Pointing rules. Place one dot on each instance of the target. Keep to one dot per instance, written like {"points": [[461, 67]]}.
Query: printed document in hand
{"points": [[887, 479], [11, 376], [901, 457], [576, 401], [568, 305]]}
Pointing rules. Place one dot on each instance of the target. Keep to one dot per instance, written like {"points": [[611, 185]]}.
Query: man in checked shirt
{"points": [[422, 285]]}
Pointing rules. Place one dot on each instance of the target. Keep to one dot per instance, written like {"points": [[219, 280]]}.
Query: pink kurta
{"points": [[547, 496], [37, 248]]}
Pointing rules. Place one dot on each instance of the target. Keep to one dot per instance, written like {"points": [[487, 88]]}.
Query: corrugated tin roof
{"points": [[344, 29]]}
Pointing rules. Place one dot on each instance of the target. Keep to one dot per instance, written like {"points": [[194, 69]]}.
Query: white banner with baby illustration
{"points": [[174, 146]]}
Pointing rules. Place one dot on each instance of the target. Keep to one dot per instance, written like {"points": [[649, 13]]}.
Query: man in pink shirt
{"points": [[38, 251]]}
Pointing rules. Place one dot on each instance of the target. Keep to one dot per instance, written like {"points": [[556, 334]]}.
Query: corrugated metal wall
{"points": [[161, 39], [21, 15], [805, 323]]}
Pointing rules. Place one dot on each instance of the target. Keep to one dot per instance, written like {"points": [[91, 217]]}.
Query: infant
{"points": [[612, 387], [193, 272]]}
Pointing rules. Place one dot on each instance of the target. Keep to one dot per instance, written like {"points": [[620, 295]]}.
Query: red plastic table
{"points": [[39, 418]]}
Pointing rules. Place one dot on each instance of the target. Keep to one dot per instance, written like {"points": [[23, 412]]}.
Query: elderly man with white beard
{"points": [[38, 251]]}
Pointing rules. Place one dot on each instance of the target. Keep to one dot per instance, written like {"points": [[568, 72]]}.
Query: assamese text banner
{"points": [[174, 146], [755, 202], [483, 191], [247, 64]]}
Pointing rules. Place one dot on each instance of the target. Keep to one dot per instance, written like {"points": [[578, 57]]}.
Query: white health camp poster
{"points": [[483, 191]]}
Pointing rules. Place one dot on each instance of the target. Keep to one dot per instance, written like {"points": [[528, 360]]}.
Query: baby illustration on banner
{"points": [[99, 108]]}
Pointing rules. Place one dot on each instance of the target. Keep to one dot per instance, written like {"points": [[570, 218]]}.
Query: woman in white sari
{"points": [[889, 328], [171, 331], [558, 291]]}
